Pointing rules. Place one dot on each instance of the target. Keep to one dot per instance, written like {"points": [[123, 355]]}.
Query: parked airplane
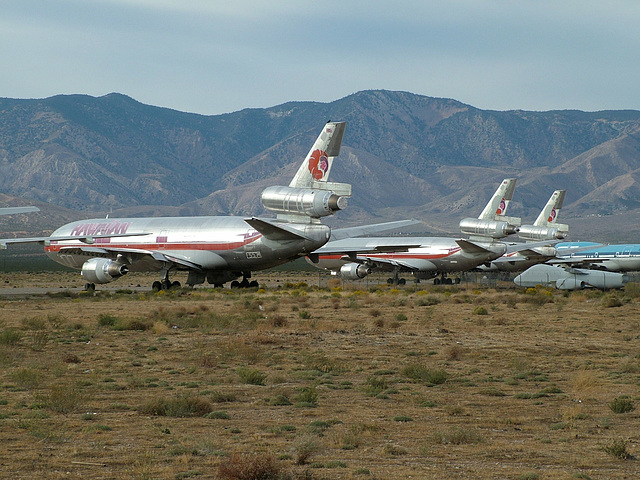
{"points": [[539, 236], [15, 210], [215, 249], [613, 258], [425, 257], [567, 278]]}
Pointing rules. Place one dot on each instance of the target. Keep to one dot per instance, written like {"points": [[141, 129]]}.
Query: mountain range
{"points": [[406, 155]]}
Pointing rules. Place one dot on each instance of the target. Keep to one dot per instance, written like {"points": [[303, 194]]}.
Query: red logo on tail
{"points": [[502, 207], [318, 164], [552, 215]]}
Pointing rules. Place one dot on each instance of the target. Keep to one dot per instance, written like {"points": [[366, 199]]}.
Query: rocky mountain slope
{"points": [[406, 155]]}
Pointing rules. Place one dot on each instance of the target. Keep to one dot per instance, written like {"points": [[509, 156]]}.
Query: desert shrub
{"points": [[10, 336], [428, 301], [219, 415], [424, 374], [307, 397], [611, 301], [402, 418], [107, 320], [182, 406], [621, 405], [39, 340], [26, 377], [251, 376], [375, 386], [480, 310], [617, 448], [279, 401], [251, 467], [303, 448], [456, 436], [278, 320], [222, 397], [64, 399]]}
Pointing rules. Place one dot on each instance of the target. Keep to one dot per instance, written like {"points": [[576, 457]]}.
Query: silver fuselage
{"points": [[211, 243], [433, 256]]}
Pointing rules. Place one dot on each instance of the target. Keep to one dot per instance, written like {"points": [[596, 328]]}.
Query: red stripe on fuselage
{"points": [[211, 246]]}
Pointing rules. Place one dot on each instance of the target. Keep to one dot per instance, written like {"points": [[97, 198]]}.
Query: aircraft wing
{"points": [[328, 249], [14, 210], [388, 264], [349, 232], [88, 239]]}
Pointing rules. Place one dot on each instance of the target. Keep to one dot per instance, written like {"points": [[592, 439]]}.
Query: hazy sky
{"points": [[214, 56]]}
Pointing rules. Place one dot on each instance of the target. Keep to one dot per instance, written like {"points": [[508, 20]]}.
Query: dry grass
{"points": [[369, 382]]}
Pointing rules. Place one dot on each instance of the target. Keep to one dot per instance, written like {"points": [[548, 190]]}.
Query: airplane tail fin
{"points": [[310, 196], [496, 208], [546, 226], [314, 171], [493, 221]]}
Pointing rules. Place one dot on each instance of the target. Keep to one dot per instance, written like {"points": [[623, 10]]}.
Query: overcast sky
{"points": [[215, 56]]}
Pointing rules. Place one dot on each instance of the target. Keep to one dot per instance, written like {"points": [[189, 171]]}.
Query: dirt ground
{"points": [[313, 378]]}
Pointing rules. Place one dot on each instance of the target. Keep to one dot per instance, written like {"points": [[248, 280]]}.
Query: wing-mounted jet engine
{"points": [[546, 226], [493, 222]]}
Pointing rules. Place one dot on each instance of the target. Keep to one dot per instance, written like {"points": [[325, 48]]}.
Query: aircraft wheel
{"points": [[176, 284], [156, 286], [235, 284], [449, 281], [436, 281], [89, 286], [402, 281], [457, 280], [253, 284], [390, 281]]}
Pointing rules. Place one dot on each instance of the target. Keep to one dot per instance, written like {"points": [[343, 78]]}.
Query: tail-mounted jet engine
{"points": [[487, 228], [103, 270], [354, 271], [302, 201], [532, 232]]}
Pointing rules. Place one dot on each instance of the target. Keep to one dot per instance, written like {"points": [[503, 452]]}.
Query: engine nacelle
{"points": [[302, 201], [354, 271], [487, 228], [570, 284], [103, 270], [531, 232]]}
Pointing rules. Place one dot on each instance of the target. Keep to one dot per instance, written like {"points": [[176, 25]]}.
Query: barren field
{"points": [[309, 378]]}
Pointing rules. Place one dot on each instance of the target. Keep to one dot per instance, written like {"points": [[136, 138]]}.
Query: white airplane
{"points": [[216, 249], [425, 257], [540, 237], [15, 210], [567, 278]]}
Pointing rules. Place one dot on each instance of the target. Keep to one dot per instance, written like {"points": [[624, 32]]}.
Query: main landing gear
{"points": [[444, 280], [396, 280], [245, 283], [165, 283]]}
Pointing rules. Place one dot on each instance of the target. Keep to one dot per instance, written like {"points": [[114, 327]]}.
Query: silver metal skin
{"points": [[425, 257], [214, 249], [540, 238]]}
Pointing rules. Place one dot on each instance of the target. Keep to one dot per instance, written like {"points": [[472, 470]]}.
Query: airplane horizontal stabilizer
{"points": [[275, 231], [349, 232], [471, 247]]}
